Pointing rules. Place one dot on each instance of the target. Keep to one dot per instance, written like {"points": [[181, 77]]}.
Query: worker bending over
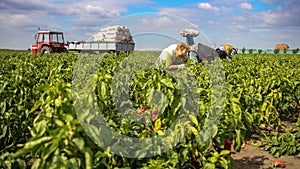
{"points": [[225, 51]]}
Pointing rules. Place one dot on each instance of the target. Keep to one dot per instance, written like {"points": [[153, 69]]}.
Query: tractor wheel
{"points": [[64, 50], [46, 50]]}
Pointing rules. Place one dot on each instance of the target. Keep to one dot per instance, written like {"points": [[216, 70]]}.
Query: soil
{"points": [[253, 157]]}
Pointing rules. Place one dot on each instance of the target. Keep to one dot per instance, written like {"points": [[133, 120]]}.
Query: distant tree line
{"points": [[276, 51]]}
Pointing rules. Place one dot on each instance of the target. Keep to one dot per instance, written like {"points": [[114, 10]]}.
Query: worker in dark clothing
{"points": [[226, 51]]}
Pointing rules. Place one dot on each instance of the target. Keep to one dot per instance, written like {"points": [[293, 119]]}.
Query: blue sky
{"points": [[243, 23]]}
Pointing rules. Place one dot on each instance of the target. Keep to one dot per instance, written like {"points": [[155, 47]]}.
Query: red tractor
{"points": [[49, 42]]}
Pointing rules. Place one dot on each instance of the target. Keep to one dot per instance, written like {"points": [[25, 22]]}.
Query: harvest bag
{"points": [[204, 52]]}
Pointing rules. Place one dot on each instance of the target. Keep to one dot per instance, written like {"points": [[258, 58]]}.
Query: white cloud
{"points": [[240, 18], [207, 6], [184, 12], [269, 18], [146, 23], [245, 5], [284, 36], [77, 9], [226, 9], [250, 29], [283, 17], [79, 19], [94, 9], [240, 27], [76, 18], [163, 22], [20, 19], [271, 1]]}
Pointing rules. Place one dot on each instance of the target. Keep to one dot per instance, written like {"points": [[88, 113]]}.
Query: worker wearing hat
{"points": [[225, 51]]}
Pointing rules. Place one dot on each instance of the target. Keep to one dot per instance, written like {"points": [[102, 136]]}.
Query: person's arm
{"points": [[169, 63], [232, 52], [189, 40]]}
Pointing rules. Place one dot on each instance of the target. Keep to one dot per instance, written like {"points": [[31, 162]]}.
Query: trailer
{"points": [[101, 46]]}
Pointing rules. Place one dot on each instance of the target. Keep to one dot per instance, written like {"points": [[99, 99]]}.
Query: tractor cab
{"points": [[49, 42]]}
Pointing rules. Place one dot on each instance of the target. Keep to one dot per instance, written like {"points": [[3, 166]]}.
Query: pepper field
{"points": [[41, 127]]}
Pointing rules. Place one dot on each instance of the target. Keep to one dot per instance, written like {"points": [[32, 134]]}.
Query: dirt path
{"points": [[253, 157]]}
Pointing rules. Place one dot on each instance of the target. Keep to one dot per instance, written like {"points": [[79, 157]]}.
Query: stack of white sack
{"points": [[113, 34], [191, 32]]}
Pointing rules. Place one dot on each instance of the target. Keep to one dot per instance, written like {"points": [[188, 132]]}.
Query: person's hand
{"points": [[181, 66]]}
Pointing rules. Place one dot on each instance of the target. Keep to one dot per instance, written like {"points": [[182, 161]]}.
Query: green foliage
{"points": [[276, 51], [282, 144], [259, 51], [243, 50], [295, 51], [40, 127]]}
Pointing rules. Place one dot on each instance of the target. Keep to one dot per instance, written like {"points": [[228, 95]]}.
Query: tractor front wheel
{"points": [[64, 50], [46, 50]]}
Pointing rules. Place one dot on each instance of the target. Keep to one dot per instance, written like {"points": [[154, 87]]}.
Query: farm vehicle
{"points": [[47, 42]]}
